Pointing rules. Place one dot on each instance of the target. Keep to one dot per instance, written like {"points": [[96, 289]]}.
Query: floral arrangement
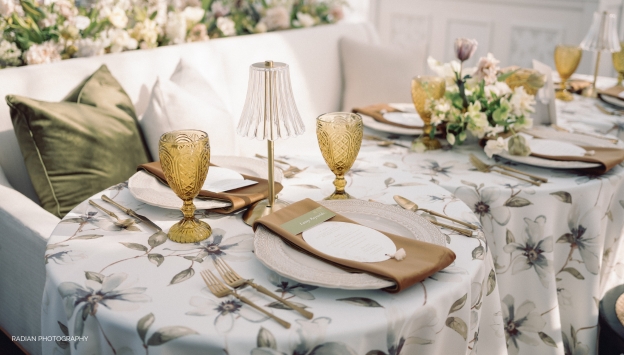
{"points": [[44, 31], [487, 101]]}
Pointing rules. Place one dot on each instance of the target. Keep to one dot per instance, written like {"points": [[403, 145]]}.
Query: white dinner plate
{"points": [[547, 163], [383, 127], [613, 101], [404, 118], [146, 188], [278, 256]]}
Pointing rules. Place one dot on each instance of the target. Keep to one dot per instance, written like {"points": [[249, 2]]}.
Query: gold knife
{"points": [[130, 212]]}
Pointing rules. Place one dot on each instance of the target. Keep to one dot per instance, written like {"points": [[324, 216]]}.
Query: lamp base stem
{"points": [[261, 209]]}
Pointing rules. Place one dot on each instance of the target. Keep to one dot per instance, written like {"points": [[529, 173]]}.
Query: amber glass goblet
{"points": [[618, 63], [567, 59], [185, 157], [340, 137], [424, 90]]}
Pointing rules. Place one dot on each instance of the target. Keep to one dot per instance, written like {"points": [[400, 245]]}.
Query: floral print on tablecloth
{"points": [[136, 292]]}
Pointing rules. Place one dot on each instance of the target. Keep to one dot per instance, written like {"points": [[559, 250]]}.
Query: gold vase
{"points": [[618, 63], [567, 59], [340, 137], [185, 157], [424, 90]]}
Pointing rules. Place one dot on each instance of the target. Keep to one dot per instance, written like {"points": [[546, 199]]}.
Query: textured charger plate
{"points": [[547, 163], [275, 254], [146, 188]]}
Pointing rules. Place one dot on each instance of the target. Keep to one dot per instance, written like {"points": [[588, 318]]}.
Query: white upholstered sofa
{"points": [[316, 74]]}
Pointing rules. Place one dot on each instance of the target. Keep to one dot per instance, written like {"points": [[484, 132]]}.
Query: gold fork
{"points": [[290, 172], [485, 168], [234, 280], [219, 289]]}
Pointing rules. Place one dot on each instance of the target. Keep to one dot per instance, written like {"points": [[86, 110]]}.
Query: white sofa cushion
{"points": [[376, 74], [185, 101]]}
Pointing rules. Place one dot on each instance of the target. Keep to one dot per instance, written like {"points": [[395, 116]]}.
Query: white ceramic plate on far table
{"points": [[146, 188], [552, 148], [278, 256]]}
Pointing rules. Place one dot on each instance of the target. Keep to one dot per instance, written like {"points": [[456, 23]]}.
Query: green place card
{"points": [[308, 220]]}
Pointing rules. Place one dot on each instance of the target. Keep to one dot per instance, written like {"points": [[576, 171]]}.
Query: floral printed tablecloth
{"points": [[130, 291], [556, 248]]}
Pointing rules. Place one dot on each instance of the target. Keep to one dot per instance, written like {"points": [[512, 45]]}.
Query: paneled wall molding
{"points": [[515, 31]]}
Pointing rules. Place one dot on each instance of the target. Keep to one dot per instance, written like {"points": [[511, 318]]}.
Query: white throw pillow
{"points": [[188, 101], [374, 74]]}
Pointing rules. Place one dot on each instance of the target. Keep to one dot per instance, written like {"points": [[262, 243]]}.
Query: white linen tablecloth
{"points": [[132, 293]]}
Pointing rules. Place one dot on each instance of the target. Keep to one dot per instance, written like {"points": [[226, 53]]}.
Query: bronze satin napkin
{"points": [[606, 157], [240, 198], [422, 259], [375, 111]]}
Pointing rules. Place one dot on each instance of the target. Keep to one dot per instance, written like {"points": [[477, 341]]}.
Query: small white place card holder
{"points": [[545, 106]]}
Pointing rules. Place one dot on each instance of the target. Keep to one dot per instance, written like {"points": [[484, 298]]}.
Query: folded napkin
{"points": [[422, 259], [606, 157], [377, 112], [240, 198], [577, 86]]}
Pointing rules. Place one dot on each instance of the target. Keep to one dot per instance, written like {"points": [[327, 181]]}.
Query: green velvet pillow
{"points": [[81, 145]]}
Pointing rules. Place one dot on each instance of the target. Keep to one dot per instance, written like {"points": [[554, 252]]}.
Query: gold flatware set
{"points": [[505, 170], [236, 282], [412, 206], [289, 172], [137, 218]]}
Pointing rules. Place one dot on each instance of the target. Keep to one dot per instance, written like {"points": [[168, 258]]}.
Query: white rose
{"points": [[146, 33], [118, 17], [495, 146], [521, 102], [499, 88], [46, 52], [88, 47], [305, 20], [119, 40], [81, 22], [226, 26], [175, 29], [193, 15], [49, 20]]}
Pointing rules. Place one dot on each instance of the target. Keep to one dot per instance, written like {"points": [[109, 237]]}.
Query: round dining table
{"points": [[130, 290]]}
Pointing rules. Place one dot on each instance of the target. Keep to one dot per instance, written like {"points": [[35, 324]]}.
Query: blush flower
{"points": [[495, 146], [277, 18], [487, 69], [46, 52]]}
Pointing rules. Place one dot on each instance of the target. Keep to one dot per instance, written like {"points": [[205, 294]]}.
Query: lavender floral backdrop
{"points": [[45, 31]]}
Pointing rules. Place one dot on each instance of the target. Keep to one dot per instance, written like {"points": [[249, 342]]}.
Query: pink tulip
{"points": [[465, 48]]}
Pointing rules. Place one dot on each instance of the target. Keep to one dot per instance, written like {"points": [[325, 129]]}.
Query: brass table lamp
{"points": [[269, 114], [602, 37]]}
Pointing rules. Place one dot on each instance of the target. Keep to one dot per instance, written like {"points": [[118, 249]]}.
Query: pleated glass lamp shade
{"points": [[270, 112], [602, 35]]}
